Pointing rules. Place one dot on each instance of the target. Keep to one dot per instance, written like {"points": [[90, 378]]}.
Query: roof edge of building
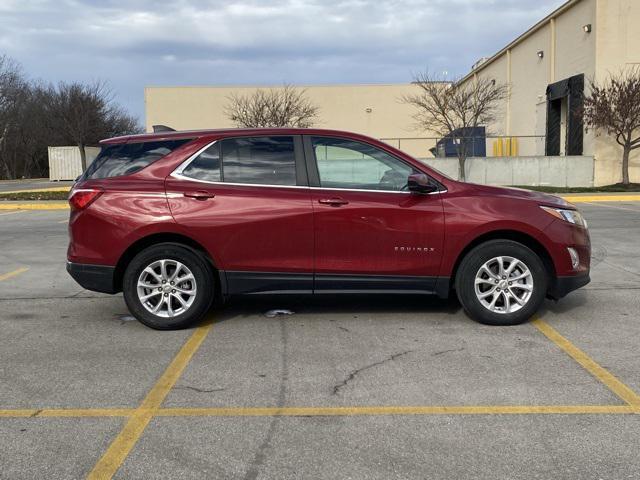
{"points": [[554, 14], [297, 85]]}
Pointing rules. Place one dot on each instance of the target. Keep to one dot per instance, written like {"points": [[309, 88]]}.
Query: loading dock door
{"points": [[565, 126]]}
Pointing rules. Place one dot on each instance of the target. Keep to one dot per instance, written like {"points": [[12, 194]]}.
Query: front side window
{"points": [[349, 164], [127, 158]]}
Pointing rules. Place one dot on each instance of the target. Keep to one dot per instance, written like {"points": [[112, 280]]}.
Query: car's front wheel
{"points": [[501, 282], [168, 286]]}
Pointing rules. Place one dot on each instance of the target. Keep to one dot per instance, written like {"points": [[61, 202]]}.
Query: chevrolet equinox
{"points": [[178, 220]]}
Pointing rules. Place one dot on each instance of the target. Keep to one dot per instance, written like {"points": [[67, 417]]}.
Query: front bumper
{"points": [[564, 285], [99, 278]]}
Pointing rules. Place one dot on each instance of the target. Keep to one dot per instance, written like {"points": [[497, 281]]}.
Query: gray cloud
{"points": [[136, 43]]}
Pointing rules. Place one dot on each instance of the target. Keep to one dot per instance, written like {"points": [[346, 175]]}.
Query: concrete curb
{"points": [[605, 197], [48, 205], [38, 190]]}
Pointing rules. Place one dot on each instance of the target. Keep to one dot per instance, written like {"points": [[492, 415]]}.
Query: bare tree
{"points": [[613, 107], [86, 113], [36, 115], [455, 109], [282, 107], [13, 92]]}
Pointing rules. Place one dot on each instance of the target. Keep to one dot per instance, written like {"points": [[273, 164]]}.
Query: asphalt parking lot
{"points": [[358, 387]]}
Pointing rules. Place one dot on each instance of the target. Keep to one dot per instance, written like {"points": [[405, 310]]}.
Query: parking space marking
{"points": [[8, 275], [119, 449], [400, 410], [606, 377], [9, 213], [323, 411]]}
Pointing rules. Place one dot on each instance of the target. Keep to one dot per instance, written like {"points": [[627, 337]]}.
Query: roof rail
{"points": [[162, 128]]}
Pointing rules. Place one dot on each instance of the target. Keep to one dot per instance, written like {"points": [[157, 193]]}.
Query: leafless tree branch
{"points": [[283, 107], [36, 115], [613, 108], [455, 108]]}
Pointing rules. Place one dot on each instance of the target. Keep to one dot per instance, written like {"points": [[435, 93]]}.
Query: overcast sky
{"points": [[133, 44]]}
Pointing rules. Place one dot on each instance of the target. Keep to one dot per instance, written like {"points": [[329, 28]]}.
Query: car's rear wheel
{"points": [[501, 282], [168, 286]]}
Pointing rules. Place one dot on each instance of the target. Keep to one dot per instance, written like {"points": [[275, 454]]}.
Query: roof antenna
{"points": [[162, 128]]}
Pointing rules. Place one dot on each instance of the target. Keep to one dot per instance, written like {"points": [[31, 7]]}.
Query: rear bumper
{"points": [[564, 285], [99, 278]]}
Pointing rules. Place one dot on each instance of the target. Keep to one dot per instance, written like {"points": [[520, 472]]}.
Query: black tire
{"points": [[194, 261], [471, 264]]}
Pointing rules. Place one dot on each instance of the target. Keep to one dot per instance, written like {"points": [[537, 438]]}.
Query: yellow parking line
{"points": [[601, 198], [321, 411], [119, 449], [34, 206], [428, 410], [615, 385], [8, 275]]}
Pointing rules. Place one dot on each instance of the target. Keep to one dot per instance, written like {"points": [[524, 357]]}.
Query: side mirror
{"points": [[420, 183]]}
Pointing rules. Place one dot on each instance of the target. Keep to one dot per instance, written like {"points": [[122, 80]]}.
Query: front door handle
{"points": [[200, 194], [334, 202]]}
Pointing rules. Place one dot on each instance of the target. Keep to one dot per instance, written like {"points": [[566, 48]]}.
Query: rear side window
{"points": [[127, 158], [251, 160], [260, 160], [205, 166]]}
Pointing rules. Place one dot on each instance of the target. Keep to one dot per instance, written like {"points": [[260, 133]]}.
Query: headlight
{"points": [[571, 216]]}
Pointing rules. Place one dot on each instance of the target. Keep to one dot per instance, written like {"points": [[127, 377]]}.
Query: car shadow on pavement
{"points": [[247, 306]]}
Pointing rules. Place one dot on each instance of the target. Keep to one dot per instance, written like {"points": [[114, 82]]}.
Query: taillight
{"points": [[83, 197]]}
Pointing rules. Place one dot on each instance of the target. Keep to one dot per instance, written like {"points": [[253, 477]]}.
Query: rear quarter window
{"points": [[127, 158]]}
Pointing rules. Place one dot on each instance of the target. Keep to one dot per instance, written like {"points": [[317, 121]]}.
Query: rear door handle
{"points": [[199, 194], [334, 202]]}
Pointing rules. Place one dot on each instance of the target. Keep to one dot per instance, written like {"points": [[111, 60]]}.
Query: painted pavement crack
{"points": [[196, 389]]}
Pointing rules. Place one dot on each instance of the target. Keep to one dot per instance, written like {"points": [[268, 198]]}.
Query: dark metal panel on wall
{"points": [[572, 89], [552, 139], [575, 123]]}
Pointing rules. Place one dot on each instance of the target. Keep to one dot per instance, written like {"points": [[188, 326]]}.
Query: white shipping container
{"points": [[65, 162]]}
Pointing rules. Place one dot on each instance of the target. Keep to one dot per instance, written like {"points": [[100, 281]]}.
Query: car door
{"points": [[246, 199], [370, 232]]}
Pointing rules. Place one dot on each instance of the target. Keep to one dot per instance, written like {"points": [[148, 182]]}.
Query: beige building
{"points": [[549, 67], [374, 110]]}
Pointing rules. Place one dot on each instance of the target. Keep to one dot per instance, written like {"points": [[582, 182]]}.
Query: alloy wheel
{"points": [[166, 288], [504, 284]]}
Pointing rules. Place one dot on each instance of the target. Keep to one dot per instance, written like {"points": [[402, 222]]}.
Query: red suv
{"points": [[176, 220]]}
